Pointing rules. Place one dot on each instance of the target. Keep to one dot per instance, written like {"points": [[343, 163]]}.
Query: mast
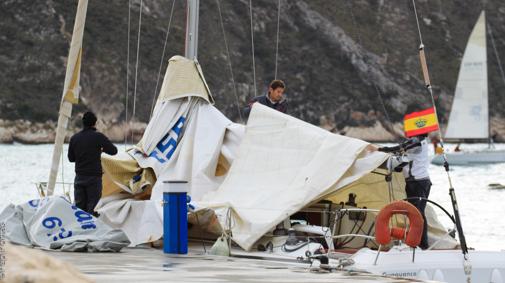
{"points": [[70, 91], [191, 49], [483, 14]]}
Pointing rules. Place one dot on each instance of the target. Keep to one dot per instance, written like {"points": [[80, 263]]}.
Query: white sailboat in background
{"points": [[469, 117]]}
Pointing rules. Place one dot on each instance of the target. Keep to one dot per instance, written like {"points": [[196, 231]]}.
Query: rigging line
{"points": [[496, 52], [63, 172], [162, 57], [417, 21], [377, 90], [452, 192], [136, 67], [127, 76], [384, 106], [426, 76], [354, 23], [229, 61], [277, 40], [252, 48]]}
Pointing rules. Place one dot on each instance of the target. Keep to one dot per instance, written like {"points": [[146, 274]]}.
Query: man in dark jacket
{"points": [[85, 149], [274, 98]]}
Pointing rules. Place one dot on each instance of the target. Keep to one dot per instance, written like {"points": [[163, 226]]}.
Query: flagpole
{"points": [[452, 193]]}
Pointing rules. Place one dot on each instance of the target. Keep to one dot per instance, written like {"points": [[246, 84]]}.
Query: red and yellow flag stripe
{"points": [[421, 122]]}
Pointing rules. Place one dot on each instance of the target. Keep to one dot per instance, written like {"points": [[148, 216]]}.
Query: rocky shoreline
{"points": [[26, 132]]}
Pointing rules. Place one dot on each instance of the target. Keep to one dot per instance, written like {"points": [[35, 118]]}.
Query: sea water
{"points": [[482, 209]]}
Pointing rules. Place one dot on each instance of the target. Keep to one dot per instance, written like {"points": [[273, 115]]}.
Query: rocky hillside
{"points": [[348, 64]]}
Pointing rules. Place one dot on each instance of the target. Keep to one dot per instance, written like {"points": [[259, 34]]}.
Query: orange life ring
{"points": [[383, 233]]}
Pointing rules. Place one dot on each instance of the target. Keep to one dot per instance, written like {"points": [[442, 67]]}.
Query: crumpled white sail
{"points": [[261, 173], [282, 165], [54, 223], [186, 139], [469, 113]]}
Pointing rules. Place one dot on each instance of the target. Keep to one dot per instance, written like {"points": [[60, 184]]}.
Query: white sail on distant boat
{"points": [[469, 117]]}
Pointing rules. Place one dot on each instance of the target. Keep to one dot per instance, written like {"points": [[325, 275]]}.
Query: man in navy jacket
{"points": [[274, 98], [85, 149]]}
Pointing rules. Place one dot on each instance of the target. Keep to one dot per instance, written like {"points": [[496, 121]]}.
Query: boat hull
{"points": [[471, 158], [438, 265]]}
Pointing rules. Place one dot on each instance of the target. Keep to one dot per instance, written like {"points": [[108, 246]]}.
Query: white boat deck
{"points": [[152, 265]]}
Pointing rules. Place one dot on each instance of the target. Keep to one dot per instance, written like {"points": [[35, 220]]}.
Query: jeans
{"points": [[420, 188], [87, 192]]}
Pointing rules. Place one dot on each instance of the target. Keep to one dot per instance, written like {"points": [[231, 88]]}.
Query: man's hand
{"points": [[371, 148]]}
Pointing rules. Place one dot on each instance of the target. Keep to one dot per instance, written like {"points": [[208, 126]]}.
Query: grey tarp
{"points": [[54, 223]]}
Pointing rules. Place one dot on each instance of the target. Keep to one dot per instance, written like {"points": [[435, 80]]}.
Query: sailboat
{"points": [[469, 117], [280, 166]]}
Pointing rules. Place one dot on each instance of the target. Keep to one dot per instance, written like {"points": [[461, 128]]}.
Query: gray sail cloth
{"points": [[54, 223]]}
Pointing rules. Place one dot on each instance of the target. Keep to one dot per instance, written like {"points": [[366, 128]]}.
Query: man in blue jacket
{"points": [[85, 149], [274, 98]]}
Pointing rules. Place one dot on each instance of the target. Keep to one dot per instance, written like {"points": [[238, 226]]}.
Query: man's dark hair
{"points": [[276, 84], [88, 119]]}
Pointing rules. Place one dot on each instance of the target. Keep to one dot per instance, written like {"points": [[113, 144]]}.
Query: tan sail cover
{"points": [[469, 113], [183, 83], [70, 91], [73, 73], [184, 77]]}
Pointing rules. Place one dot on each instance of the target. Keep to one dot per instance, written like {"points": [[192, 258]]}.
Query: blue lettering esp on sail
{"points": [[166, 147]]}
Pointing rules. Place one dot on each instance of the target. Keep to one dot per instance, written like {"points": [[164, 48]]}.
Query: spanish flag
{"points": [[421, 122]]}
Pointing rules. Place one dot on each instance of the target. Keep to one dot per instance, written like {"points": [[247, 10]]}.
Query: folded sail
{"points": [[469, 118], [70, 90]]}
